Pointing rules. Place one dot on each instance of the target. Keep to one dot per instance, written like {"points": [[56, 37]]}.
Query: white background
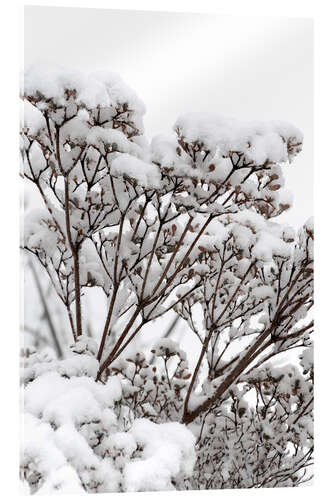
{"points": [[323, 182]]}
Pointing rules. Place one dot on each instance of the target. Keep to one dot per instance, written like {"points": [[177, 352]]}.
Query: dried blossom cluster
{"points": [[182, 224]]}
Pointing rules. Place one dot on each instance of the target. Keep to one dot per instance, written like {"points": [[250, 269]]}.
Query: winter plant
{"points": [[182, 224]]}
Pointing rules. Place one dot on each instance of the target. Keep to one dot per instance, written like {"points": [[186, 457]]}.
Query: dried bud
{"points": [[275, 187]]}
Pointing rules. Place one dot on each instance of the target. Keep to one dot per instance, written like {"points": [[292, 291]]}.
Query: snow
{"points": [[168, 452], [123, 441], [165, 345], [254, 235], [74, 439], [263, 292], [37, 233], [78, 365], [307, 358], [269, 245], [118, 91], [101, 89], [164, 149], [288, 234], [31, 118], [85, 345], [106, 137], [76, 399], [309, 224], [146, 174], [285, 197], [39, 449], [273, 141]]}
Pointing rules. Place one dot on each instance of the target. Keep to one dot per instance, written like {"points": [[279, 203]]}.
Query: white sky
{"points": [[246, 68]]}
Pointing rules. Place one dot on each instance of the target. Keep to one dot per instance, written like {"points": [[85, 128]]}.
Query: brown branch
{"points": [[167, 267], [74, 248], [128, 341], [184, 260], [205, 345], [242, 365], [107, 321], [151, 256], [303, 411], [76, 263], [109, 358]]}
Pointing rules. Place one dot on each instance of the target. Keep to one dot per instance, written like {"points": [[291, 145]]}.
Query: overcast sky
{"points": [[246, 68]]}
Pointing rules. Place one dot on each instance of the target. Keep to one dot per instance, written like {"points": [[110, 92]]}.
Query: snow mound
{"points": [[79, 436]]}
